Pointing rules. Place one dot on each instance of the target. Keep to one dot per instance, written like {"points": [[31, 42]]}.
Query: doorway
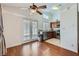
{"points": [[30, 30]]}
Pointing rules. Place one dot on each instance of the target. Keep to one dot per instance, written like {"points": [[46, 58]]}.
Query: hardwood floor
{"points": [[38, 49]]}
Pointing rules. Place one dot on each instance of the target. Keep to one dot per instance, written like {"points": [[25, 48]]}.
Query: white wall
{"points": [[13, 29], [13, 24], [68, 28]]}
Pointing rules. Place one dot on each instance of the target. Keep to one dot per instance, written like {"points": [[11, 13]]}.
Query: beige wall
{"points": [[13, 29]]}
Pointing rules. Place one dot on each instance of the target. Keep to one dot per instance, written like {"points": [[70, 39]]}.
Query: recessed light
{"points": [[55, 8]]}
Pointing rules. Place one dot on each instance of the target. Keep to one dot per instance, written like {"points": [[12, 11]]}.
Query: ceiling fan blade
{"points": [[42, 7], [39, 12], [33, 6]]}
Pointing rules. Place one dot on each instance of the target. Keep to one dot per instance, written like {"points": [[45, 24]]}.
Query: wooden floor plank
{"points": [[39, 49]]}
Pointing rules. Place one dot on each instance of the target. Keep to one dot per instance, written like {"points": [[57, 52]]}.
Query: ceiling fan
{"points": [[36, 8]]}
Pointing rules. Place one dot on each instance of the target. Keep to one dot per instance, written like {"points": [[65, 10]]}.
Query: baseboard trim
{"points": [[62, 48], [22, 44], [29, 42]]}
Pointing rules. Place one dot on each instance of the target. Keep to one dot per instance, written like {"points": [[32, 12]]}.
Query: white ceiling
{"points": [[24, 6]]}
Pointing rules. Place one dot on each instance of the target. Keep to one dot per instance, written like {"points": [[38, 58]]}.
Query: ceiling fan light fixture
{"points": [[33, 11]]}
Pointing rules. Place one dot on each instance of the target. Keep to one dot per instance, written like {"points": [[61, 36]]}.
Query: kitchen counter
{"points": [[49, 34]]}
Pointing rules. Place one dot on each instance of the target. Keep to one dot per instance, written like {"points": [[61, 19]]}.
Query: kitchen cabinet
{"points": [[49, 35]]}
